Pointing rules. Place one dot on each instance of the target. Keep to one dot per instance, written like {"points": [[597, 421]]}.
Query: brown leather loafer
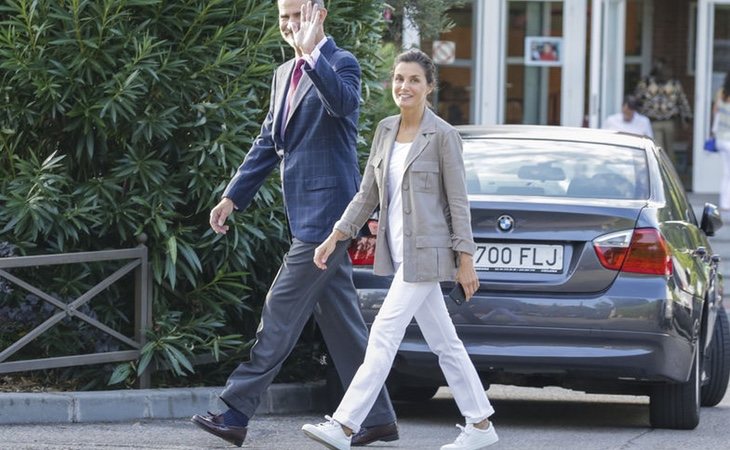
{"points": [[386, 433], [213, 424]]}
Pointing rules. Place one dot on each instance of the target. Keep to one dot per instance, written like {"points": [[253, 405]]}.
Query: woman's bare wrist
{"points": [[338, 235]]}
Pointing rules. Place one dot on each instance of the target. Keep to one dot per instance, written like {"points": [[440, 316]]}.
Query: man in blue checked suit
{"points": [[310, 132]]}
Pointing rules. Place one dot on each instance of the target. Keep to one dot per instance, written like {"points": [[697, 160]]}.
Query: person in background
{"points": [[629, 120], [721, 131], [415, 173], [310, 132], [663, 101]]}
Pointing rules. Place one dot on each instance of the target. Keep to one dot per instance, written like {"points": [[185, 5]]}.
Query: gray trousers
{"points": [[664, 135], [299, 290]]}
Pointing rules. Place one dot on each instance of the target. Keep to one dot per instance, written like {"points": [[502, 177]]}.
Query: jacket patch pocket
{"points": [[376, 162], [433, 241], [424, 176], [315, 184], [377, 165]]}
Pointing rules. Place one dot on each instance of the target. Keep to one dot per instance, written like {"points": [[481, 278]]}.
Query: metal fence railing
{"points": [[142, 309]]}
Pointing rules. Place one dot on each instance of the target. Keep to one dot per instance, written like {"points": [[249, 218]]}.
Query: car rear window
{"points": [[555, 169]]}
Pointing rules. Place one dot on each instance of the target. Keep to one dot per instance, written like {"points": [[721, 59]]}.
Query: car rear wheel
{"points": [[677, 405], [717, 363]]}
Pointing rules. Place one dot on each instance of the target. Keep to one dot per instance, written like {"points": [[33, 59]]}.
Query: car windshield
{"points": [[555, 169]]}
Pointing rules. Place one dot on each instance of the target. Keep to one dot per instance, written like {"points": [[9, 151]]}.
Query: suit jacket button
{"points": [[407, 210], [405, 186], [408, 232]]}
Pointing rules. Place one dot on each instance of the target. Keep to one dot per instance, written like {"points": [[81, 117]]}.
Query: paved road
{"points": [[526, 418]]}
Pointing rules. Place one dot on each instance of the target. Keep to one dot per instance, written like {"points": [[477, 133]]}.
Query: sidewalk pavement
{"points": [[293, 398]]}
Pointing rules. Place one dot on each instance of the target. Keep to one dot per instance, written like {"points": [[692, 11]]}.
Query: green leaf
{"points": [[172, 248], [120, 374], [146, 358]]}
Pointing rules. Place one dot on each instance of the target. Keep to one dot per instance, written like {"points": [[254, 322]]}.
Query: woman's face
{"points": [[410, 87]]}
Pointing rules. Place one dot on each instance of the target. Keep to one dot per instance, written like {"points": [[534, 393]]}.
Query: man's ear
{"points": [[323, 12]]}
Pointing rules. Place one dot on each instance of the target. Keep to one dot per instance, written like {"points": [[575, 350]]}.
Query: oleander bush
{"points": [[121, 123]]}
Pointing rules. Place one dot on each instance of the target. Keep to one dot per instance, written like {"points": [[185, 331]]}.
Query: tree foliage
{"points": [[429, 16], [122, 122]]}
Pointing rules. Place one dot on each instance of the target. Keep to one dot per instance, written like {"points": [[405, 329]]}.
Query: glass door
{"points": [[713, 62], [607, 59], [534, 58]]}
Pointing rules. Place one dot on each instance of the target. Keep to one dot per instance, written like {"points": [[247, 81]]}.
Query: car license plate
{"points": [[519, 258]]}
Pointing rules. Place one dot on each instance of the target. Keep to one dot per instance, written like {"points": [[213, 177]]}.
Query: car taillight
{"points": [[362, 249], [642, 250]]}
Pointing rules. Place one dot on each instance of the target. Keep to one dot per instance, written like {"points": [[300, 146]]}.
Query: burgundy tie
{"points": [[296, 76]]}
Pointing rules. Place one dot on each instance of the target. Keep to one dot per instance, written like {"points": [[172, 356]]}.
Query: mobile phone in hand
{"points": [[457, 294]]}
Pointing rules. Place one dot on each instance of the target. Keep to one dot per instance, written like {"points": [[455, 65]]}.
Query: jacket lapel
{"points": [[305, 84], [388, 140], [425, 131], [283, 77]]}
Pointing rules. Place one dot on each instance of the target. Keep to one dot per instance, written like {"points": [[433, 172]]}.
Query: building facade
{"points": [[571, 62]]}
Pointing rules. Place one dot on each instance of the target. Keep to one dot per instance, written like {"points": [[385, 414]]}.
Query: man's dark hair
{"points": [[726, 88], [661, 71], [632, 102]]}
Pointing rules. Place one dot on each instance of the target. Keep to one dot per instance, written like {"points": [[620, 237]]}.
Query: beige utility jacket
{"points": [[436, 217]]}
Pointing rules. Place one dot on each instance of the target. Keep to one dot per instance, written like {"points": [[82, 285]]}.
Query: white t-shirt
{"points": [[640, 124], [396, 168]]}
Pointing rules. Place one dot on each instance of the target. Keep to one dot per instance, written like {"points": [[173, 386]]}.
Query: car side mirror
{"points": [[711, 219]]}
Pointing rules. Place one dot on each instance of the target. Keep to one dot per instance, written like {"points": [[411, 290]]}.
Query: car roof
{"points": [[559, 133]]}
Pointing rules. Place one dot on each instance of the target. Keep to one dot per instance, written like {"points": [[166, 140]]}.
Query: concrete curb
{"points": [[128, 405]]}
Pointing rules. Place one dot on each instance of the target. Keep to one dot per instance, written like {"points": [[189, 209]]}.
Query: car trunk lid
{"points": [[546, 245]]}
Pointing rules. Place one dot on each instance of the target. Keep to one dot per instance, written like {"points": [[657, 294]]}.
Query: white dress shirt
{"points": [[639, 124]]}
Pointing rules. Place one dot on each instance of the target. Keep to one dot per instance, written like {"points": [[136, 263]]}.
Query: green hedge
{"points": [[122, 122]]}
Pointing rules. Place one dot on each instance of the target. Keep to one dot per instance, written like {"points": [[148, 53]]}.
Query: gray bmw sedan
{"points": [[595, 273]]}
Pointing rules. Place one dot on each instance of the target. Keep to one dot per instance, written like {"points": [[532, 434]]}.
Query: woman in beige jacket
{"points": [[415, 173]]}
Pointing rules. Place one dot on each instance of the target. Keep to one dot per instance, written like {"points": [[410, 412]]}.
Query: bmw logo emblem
{"points": [[505, 223]]}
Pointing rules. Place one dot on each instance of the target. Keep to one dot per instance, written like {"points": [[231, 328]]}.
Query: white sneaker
{"points": [[472, 438], [329, 433]]}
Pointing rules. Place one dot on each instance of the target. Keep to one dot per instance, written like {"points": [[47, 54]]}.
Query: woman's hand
{"points": [[326, 248], [466, 275]]}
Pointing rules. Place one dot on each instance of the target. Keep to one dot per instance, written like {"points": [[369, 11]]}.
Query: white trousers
{"points": [[723, 148], [426, 302]]}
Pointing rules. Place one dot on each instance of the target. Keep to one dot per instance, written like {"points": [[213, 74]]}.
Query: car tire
{"points": [[402, 393], [677, 405], [717, 363]]}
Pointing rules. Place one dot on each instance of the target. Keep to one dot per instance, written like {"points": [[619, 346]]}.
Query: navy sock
{"points": [[233, 418]]}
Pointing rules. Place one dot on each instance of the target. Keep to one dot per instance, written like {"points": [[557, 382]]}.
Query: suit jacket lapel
{"points": [[423, 137], [283, 77], [305, 84]]}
